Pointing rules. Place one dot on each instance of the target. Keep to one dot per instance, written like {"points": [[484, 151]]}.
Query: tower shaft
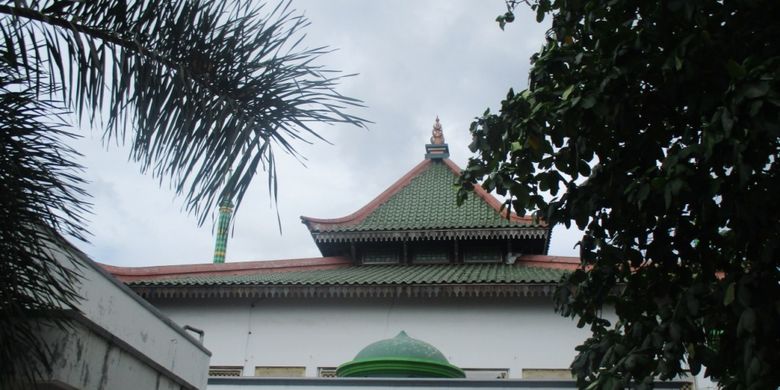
{"points": [[223, 226]]}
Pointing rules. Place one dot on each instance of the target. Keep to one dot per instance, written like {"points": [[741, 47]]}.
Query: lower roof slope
{"points": [[375, 275], [338, 277]]}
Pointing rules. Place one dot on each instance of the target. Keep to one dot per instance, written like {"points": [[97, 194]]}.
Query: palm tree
{"points": [[202, 92]]}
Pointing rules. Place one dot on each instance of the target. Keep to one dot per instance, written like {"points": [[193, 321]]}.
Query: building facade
{"points": [[473, 280]]}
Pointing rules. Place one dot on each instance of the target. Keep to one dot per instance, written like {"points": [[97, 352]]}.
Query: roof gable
{"points": [[424, 198]]}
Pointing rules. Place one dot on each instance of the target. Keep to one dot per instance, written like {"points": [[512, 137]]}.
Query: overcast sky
{"points": [[415, 60]]}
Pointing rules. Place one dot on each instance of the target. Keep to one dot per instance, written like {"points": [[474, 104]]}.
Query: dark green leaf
{"points": [[728, 297], [756, 89], [736, 71]]}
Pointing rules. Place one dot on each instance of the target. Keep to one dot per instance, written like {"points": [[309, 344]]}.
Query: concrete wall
{"points": [[472, 333], [86, 359], [119, 341]]}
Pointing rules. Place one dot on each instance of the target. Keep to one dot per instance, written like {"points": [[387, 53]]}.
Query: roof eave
{"points": [[425, 291], [512, 232]]}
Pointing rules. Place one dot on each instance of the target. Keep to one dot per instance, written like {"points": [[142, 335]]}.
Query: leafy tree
{"points": [[655, 127], [203, 91]]}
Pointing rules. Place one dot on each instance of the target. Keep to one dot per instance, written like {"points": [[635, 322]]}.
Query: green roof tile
{"points": [[376, 275], [429, 202]]}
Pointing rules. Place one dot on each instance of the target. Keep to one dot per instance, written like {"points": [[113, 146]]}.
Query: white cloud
{"points": [[416, 59]]}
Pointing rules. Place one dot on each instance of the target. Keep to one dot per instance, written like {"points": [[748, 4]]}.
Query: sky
{"points": [[414, 60]]}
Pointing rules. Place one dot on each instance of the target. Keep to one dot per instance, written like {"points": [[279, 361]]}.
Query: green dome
{"points": [[400, 356]]}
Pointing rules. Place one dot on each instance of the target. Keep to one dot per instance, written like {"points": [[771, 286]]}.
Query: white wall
{"points": [[119, 341], [87, 360], [472, 333]]}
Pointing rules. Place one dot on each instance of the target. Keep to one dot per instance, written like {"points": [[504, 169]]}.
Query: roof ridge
{"points": [[364, 212], [181, 270], [489, 199]]}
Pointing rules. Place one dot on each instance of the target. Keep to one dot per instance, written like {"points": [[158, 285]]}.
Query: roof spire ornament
{"points": [[438, 133], [437, 149]]}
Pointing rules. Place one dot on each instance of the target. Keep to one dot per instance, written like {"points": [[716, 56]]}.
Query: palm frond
{"points": [[40, 187], [202, 86], [201, 90]]}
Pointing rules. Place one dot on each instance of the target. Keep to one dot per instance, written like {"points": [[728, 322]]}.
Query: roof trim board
{"points": [[364, 211], [359, 291], [317, 224], [432, 234], [133, 274]]}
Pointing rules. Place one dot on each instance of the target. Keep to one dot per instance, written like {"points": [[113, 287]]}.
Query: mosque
{"points": [[411, 291]]}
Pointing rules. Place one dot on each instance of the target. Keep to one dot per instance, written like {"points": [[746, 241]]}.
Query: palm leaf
{"points": [[41, 189], [201, 91], [200, 84]]}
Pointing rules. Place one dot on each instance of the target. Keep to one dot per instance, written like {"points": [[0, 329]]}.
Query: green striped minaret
{"points": [[225, 212]]}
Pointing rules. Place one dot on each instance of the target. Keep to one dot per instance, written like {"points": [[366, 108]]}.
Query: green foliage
{"points": [[655, 127], [203, 91], [40, 186]]}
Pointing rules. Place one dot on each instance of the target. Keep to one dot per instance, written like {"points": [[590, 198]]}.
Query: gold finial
{"points": [[438, 134]]}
